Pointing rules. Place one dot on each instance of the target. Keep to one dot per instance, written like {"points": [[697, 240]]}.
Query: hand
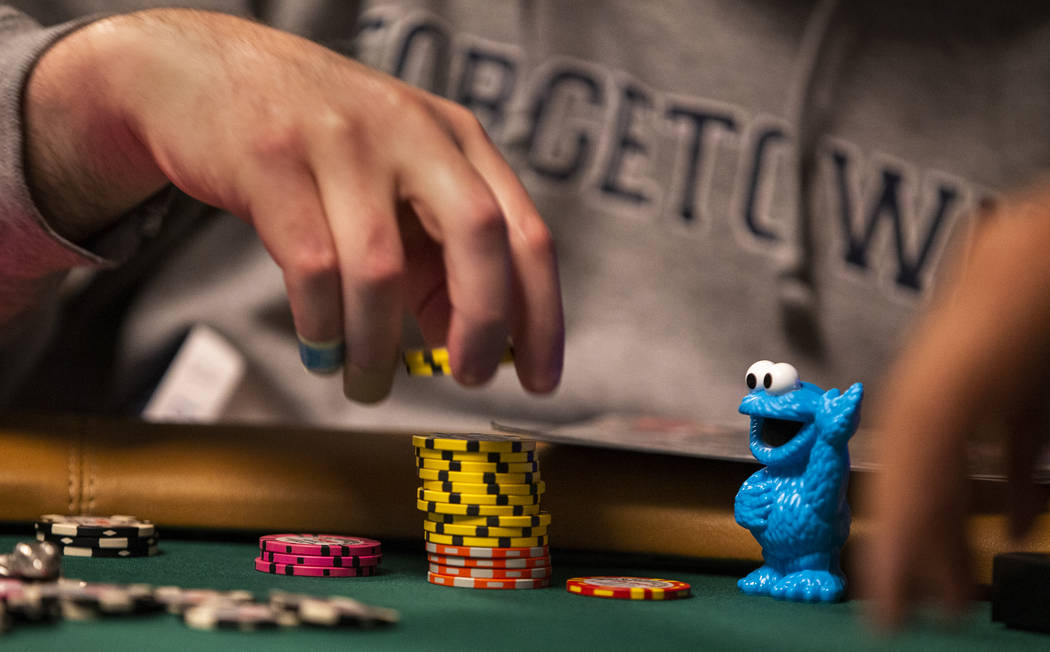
{"points": [[371, 196], [977, 360]]}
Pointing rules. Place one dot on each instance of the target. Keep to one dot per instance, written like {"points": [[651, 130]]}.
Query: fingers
{"points": [[537, 320], [358, 200], [458, 210], [291, 222]]}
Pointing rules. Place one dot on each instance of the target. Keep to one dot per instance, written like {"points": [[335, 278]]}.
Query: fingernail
{"points": [[366, 385], [322, 357]]}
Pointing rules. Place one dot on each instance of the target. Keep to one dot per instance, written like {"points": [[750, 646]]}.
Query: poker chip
{"points": [[79, 551], [177, 600], [475, 456], [478, 477], [492, 542], [527, 520], [476, 467], [312, 571], [484, 530], [249, 616], [628, 588], [488, 552], [485, 583], [32, 601], [340, 611], [455, 497], [508, 489], [435, 362], [492, 573], [319, 544], [472, 562], [94, 526], [474, 443], [87, 601], [98, 542], [333, 561]]}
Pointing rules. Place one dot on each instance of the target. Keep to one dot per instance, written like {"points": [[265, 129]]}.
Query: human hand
{"points": [[976, 361], [370, 195]]}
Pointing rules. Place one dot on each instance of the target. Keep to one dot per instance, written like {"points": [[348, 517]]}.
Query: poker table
{"points": [[716, 617], [213, 490]]}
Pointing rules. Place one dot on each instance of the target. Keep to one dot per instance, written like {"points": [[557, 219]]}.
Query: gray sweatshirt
{"points": [[726, 181]]}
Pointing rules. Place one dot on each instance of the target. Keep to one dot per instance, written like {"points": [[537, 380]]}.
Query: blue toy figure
{"points": [[796, 506]]}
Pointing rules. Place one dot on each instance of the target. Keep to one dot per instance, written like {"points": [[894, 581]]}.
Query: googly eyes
{"points": [[778, 378], [756, 373]]}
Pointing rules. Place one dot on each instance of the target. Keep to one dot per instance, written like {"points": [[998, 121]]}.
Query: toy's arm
{"points": [[753, 501], [839, 415]]}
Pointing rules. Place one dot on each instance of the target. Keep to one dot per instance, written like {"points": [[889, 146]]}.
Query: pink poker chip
{"points": [[326, 545], [331, 561], [311, 571]]}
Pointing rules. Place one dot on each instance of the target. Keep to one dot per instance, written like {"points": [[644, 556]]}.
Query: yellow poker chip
{"points": [[538, 488], [476, 510], [478, 477], [474, 443], [434, 362], [486, 542], [484, 530], [461, 498], [628, 588], [525, 520], [477, 467], [466, 456]]}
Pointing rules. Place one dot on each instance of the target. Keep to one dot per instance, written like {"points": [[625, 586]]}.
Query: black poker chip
{"points": [[94, 526], [80, 551], [99, 542]]}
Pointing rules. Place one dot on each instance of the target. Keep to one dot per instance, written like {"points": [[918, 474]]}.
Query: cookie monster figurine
{"points": [[796, 506]]}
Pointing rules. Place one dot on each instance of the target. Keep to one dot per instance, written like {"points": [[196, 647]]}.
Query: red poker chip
{"points": [[471, 562], [539, 572], [331, 561], [479, 552], [327, 545], [483, 583], [628, 588], [311, 571]]}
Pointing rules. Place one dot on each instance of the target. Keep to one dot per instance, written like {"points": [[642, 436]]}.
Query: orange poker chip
{"points": [[471, 562], [483, 583], [538, 572], [628, 588]]}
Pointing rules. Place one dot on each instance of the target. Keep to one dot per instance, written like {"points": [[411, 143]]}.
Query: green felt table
{"points": [[717, 617]]}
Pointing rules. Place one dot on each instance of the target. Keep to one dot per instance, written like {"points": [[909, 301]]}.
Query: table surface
{"points": [[718, 616]]}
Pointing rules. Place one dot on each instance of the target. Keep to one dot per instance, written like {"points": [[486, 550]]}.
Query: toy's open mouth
{"points": [[777, 432]]}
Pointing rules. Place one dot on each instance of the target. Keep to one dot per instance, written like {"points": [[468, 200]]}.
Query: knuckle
{"points": [[484, 218], [279, 139], [311, 263], [333, 123], [379, 271], [537, 240]]}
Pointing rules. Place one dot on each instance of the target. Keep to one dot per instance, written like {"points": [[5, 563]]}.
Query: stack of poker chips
{"points": [[483, 528], [318, 555], [98, 536]]}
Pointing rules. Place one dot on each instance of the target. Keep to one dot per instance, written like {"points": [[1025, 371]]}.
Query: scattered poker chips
{"points": [[318, 555], [483, 525], [628, 588], [116, 536], [42, 596]]}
